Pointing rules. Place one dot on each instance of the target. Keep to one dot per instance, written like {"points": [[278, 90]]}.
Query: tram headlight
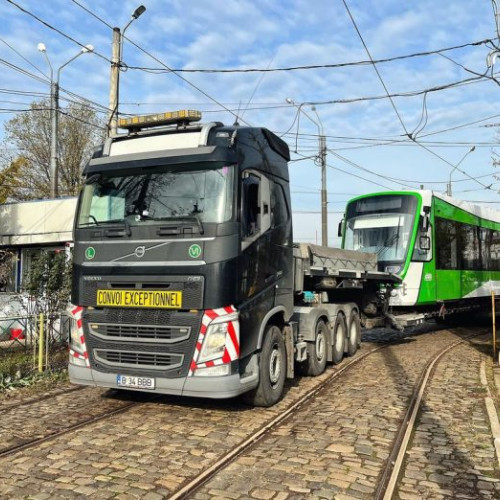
{"points": [[393, 269]]}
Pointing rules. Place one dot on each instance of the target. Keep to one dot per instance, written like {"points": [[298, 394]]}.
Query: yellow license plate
{"points": [[139, 298]]}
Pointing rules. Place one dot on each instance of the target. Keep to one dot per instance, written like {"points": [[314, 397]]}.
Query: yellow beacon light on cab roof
{"points": [[168, 118]]}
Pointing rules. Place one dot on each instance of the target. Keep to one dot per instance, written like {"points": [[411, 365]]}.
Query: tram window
{"points": [[469, 255], [446, 244], [495, 251]]}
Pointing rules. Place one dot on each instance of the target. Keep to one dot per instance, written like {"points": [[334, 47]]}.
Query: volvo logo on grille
{"points": [[139, 252]]}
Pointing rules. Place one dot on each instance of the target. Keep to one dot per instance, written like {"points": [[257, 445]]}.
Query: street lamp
{"points": [[322, 157], [116, 62], [448, 186], [54, 113]]}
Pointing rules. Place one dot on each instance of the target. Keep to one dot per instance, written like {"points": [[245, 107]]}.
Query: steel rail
{"points": [[391, 472], [195, 484], [28, 401], [10, 450]]}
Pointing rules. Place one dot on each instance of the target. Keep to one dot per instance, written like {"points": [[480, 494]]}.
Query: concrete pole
{"points": [[54, 98], [324, 201], [114, 83]]}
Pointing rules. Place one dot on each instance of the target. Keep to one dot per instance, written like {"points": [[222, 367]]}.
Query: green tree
{"points": [[27, 171]]}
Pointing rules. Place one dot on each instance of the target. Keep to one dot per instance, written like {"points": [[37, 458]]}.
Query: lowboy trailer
{"points": [[186, 280]]}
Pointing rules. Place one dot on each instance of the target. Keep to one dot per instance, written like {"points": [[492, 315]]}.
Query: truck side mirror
{"points": [[339, 232]]}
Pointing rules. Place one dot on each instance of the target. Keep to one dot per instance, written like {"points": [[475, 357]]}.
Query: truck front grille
{"points": [[142, 333], [147, 360], [141, 342]]}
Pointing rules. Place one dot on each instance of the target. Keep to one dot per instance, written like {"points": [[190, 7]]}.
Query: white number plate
{"points": [[135, 382]]}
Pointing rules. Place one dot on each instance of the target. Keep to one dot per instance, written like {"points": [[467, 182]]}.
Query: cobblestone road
{"points": [[334, 447]]}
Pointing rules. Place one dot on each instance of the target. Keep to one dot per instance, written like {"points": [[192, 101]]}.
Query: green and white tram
{"points": [[446, 251]]}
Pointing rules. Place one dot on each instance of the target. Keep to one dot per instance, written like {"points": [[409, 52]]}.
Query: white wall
{"points": [[37, 222]]}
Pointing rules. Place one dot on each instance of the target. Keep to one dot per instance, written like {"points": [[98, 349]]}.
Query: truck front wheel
{"points": [[272, 370]]}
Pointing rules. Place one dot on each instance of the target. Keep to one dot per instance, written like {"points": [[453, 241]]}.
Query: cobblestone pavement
{"points": [[334, 447]]}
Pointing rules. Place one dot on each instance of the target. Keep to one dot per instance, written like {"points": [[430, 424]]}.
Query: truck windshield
{"points": [[205, 195], [381, 225]]}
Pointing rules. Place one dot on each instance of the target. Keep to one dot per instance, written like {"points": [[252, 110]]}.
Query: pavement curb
{"points": [[491, 410]]}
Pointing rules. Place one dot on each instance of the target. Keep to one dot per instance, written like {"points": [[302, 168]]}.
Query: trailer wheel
{"points": [[315, 363], [272, 370], [339, 335], [354, 329]]}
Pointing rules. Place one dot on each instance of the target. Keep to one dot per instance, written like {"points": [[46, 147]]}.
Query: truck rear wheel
{"points": [[315, 363], [339, 335], [272, 370], [354, 330]]}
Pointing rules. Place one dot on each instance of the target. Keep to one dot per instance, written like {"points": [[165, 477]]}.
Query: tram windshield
{"points": [[382, 225]]}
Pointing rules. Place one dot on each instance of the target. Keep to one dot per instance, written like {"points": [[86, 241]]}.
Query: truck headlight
{"points": [[214, 342], [75, 335]]}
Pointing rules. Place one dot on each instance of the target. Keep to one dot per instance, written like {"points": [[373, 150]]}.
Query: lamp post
{"points": [[54, 114], [322, 157], [116, 62], [448, 186]]}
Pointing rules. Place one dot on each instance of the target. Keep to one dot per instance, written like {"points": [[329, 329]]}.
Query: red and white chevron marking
{"points": [[232, 347], [77, 314]]}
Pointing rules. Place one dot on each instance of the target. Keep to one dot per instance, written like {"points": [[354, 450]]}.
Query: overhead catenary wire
{"points": [[159, 61], [395, 108], [313, 66]]}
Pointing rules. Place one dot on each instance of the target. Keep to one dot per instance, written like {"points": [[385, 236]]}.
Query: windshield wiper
{"points": [[125, 223], [191, 218]]}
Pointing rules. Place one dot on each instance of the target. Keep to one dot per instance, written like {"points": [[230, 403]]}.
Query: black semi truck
{"points": [[186, 280]]}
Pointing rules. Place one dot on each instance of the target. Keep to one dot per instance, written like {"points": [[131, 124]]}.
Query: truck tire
{"points": [[339, 335], [315, 363], [354, 330], [272, 370]]}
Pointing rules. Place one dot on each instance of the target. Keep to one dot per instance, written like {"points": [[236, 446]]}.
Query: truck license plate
{"points": [[135, 382]]}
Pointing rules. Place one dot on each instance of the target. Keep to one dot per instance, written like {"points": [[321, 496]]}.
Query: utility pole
{"points": [[114, 83], [322, 160], [324, 201], [54, 127], [116, 62]]}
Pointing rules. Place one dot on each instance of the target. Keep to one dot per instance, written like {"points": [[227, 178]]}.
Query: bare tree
{"points": [[26, 173]]}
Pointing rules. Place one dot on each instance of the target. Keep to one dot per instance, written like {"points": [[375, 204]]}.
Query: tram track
{"points": [[18, 443], [37, 399], [10, 450], [24, 444], [195, 484], [389, 476]]}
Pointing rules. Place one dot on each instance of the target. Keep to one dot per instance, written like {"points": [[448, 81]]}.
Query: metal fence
{"points": [[44, 338]]}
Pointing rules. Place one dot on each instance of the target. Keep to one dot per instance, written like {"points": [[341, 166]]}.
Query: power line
{"points": [[24, 58], [185, 80], [314, 66], [375, 67], [53, 28]]}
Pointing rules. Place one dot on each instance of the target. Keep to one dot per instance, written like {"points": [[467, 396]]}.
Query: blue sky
{"points": [[368, 146]]}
